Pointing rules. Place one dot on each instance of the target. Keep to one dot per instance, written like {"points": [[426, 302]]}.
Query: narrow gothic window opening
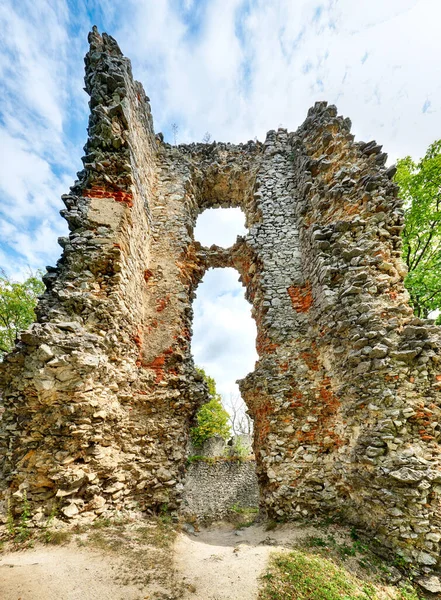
{"points": [[223, 345], [224, 333]]}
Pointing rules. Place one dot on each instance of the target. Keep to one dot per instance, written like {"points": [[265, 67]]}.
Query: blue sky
{"points": [[234, 68]]}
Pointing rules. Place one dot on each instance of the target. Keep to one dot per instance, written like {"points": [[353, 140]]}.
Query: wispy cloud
{"points": [[37, 157]]}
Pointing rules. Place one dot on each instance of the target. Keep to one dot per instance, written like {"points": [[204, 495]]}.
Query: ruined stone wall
{"points": [[346, 397], [90, 422], [100, 393], [215, 490]]}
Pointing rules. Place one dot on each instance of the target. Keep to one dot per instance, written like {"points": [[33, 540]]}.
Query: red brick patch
{"points": [[147, 275], [158, 363], [301, 297], [162, 303], [117, 195]]}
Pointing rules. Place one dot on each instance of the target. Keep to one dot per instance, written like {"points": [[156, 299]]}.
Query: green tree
{"points": [[420, 188], [212, 419], [17, 304]]}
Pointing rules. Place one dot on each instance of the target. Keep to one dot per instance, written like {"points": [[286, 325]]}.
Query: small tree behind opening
{"points": [[212, 418]]}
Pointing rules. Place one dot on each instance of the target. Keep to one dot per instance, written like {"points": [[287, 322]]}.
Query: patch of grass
{"points": [[101, 523], [157, 533], [244, 510], [107, 535], [110, 543], [164, 515], [199, 458], [361, 549], [327, 567], [23, 526], [400, 562], [20, 532], [56, 538], [305, 577], [145, 549], [10, 523], [407, 592], [242, 524], [242, 516], [317, 541], [329, 544]]}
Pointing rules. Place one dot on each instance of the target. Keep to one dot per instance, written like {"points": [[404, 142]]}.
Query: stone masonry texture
{"points": [[216, 490], [101, 391]]}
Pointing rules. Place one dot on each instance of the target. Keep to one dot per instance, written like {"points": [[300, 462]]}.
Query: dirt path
{"points": [[140, 559], [214, 564], [224, 564], [62, 573]]}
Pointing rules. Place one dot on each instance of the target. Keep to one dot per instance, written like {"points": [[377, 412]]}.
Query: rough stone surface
{"points": [[430, 583], [213, 489], [214, 446], [99, 394]]}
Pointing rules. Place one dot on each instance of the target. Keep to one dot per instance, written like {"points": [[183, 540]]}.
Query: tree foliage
{"points": [[212, 419], [17, 304], [420, 188]]}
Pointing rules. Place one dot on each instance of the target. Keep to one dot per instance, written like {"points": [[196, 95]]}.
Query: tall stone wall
{"points": [[99, 394], [95, 417]]}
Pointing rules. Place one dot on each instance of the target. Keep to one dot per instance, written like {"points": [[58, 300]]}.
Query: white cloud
{"points": [[224, 333], [37, 157], [29, 186], [220, 226], [196, 77], [33, 59], [246, 71]]}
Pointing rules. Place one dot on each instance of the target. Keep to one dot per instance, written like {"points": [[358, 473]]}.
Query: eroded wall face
{"points": [[101, 391], [346, 392]]}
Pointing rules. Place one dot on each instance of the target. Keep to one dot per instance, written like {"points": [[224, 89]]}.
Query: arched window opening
{"points": [[223, 345], [220, 226], [224, 335]]}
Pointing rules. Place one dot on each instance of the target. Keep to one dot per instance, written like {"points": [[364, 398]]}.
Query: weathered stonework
{"points": [[219, 489], [100, 392], [219, 482]]}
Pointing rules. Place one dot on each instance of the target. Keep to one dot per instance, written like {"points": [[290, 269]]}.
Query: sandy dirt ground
{"points": [[62, 573], [225, 564], [218, 563]]}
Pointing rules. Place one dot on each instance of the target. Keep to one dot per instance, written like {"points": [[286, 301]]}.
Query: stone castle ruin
{"points": [[100, 392]]}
